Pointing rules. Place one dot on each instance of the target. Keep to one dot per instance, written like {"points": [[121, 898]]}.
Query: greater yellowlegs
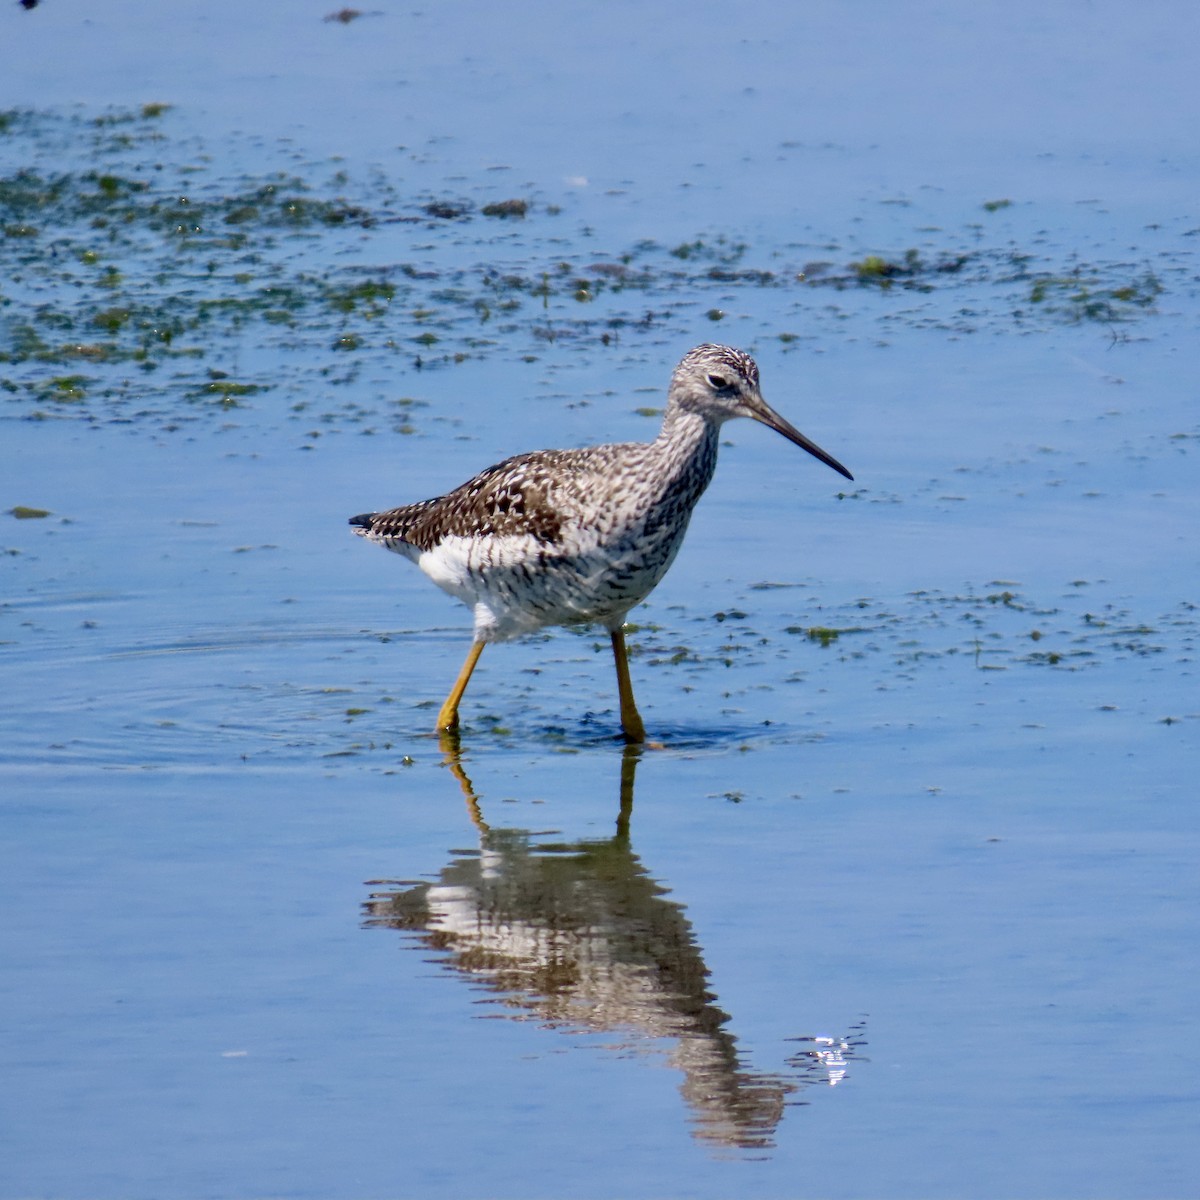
{"points": [[570, 537]]}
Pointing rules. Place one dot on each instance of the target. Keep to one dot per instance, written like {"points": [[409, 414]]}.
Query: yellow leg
{"points": [[631, 722], [448, 716]]}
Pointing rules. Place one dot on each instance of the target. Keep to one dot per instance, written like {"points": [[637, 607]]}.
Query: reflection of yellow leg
{"points": [[630, 757], [448, 740], [631, 722], [448, 716]]}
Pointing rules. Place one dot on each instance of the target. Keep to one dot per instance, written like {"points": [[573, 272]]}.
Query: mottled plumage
{"points": [[563, 537]]}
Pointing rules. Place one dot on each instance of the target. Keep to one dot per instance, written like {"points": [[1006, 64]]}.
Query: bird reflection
{"points": [[578, 935]]}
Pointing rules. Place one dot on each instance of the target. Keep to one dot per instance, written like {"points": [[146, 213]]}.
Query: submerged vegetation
{"points": [[138, 279], [1089, 297], [985, 630]]}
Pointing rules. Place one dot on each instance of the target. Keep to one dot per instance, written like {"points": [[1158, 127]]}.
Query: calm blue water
{"points": [[906, 906]]}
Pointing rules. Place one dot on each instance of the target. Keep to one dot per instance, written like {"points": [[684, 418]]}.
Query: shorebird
{"points": [[573, 537]]}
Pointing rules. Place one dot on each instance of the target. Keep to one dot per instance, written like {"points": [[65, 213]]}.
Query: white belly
{"points": [[518, 584]]}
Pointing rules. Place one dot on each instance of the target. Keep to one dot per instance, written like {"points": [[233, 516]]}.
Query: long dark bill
{"points": [[772, 420]]}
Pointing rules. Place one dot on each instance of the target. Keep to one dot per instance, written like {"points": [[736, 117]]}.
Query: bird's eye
{"points": [[719, 383]]}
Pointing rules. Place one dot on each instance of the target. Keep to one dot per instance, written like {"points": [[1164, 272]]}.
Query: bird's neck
{"points": [[687, 445]]}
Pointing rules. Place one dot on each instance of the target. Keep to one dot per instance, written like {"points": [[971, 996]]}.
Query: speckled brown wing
{"points": [[508, 499]]}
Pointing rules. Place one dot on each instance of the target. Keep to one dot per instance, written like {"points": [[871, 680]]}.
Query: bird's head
{"points": [[719, 383]]}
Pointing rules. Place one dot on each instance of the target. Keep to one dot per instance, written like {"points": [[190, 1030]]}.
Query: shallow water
{"points": [[906, 905]]}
